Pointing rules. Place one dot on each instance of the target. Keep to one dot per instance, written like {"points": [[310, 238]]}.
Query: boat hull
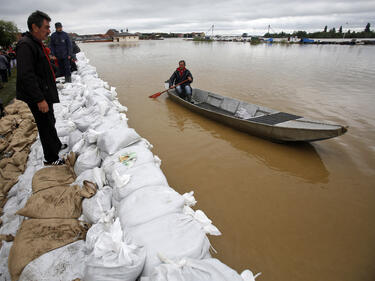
{"points": [[270, 132]]}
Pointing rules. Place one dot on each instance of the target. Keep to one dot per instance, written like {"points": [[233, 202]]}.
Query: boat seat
{"points": [[230, 105]]}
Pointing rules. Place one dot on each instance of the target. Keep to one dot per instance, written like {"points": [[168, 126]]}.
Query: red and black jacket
{"points": [[179, 76]]}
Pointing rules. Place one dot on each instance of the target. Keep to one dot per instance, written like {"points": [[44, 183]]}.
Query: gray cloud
{"points": [[229, 17]]}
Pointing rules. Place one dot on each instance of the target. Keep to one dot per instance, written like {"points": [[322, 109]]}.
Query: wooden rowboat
{"points": [[258, 120]]}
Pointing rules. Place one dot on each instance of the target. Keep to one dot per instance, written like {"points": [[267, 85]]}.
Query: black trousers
{"points": [[64, 67], [47, 131]]}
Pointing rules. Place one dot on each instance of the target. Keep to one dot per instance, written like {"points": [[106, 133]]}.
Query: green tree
{"points": [[367, 29], [8, 33], [244, 34], [325, 29], [340, 29]]}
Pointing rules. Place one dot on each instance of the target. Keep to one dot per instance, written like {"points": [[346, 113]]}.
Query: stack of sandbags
{"points": [[52, 209], [17, 132]]}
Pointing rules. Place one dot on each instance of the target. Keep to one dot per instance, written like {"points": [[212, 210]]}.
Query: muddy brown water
{"points": [[293, 212]]}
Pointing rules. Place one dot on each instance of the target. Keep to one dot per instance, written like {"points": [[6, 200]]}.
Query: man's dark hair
{"points": [[37, 18], [182, 61]]}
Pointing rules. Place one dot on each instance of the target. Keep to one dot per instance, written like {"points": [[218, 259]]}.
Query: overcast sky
{"points": [[229, 17]]}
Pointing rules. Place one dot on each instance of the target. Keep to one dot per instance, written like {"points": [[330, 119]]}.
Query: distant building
{"points": [[125, 37], [112, 33]]}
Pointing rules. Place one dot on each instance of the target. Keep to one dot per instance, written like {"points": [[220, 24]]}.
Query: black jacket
{"points": [[60, 45], [35, 80], [177, 78]]}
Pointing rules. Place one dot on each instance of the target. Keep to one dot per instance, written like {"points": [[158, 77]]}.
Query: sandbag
{"points": [[55, 175], [116, 138], [111, 258], [74, 137], [96, 207], [65, 263], [4, 253], [87, 160], [192, 270], [142, 156], [95, 175], [58, 202], [174, 235], [65, 127], [139, 177], [38, 236], [149, 203]]}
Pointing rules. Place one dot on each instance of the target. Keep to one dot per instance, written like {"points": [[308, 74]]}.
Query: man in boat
{"points": [[181, 74]]}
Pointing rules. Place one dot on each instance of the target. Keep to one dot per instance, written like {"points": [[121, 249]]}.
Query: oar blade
{"points": [[154, 96]]}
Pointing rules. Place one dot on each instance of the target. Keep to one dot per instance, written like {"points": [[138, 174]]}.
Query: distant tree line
{"points": [[8, 33], [332, 33]]}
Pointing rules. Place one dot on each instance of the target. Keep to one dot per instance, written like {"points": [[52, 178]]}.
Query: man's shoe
{"points": [[58, 162]]}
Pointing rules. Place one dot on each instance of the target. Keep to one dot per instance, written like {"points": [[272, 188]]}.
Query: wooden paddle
{"points": [[158, 94]]}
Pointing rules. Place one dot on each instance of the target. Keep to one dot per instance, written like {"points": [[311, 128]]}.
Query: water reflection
{"points": [[299, 160], [123, 45]]}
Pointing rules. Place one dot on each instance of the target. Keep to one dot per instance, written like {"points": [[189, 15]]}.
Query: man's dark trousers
{"points": [[64, 65], [48, 136]]}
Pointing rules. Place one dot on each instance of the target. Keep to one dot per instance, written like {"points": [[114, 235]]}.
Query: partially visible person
{"points": [[76, 50], [1, 108], [3, 67], [12, 56], [8, 64], [36, 84], [181, 74], [61, 49]]}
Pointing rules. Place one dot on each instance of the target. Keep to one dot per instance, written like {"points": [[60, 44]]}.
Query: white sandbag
{"points": [[116, 138], [141, 176], [65, 127], [192, 270], [95, 175], [174, 235], [204, 221], [65, 263], [11, 223], [101, 102], [112, 163], [112, 119], [4, 254], [85, 117], [76, 104], [87, 160], [90, 136], [146, 204], [112, 259], [96, 207], [74, 137]]}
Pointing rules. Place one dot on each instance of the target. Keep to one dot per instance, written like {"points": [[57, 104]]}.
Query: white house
{"points": [[125, 37]]}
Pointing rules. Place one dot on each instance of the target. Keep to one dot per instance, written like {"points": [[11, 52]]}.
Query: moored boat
{"points": [[258, 120]]}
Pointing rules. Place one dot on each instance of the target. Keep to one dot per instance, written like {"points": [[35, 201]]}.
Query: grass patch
{"points": [[8, 93]]}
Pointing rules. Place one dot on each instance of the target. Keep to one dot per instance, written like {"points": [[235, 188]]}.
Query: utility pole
{"points": [[343, 37]]}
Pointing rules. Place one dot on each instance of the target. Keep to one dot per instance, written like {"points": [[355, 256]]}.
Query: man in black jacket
{"points": [[181, 74], [36, 84]]}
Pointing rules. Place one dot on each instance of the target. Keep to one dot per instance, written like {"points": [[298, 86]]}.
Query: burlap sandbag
{"points": [[7, 124], [58, 202], [55, 175], [23, 136], [38, 236]]}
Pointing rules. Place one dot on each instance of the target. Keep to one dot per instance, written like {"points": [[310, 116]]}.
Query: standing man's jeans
{"points": [[184, 92], [47, 132], [64, 67]]}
